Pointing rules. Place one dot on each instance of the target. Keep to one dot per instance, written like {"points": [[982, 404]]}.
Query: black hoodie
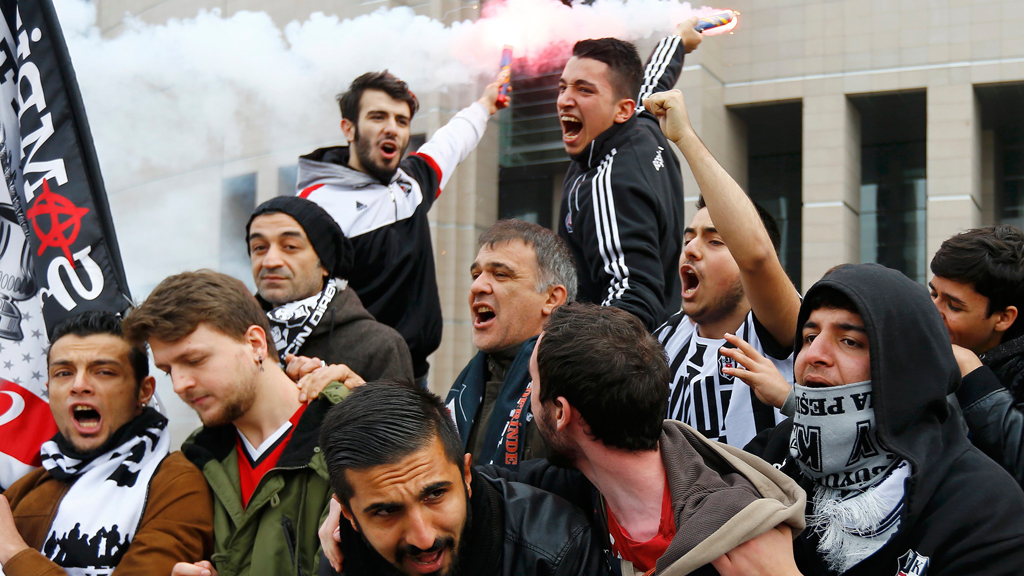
{"points": [[962, 513]]}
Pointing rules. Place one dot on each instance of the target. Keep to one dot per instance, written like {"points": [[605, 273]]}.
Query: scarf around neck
{"points": [[292, 323], [100, 514]]}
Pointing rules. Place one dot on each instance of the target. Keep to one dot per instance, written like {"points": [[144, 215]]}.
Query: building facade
{"points": [[871, 130]]}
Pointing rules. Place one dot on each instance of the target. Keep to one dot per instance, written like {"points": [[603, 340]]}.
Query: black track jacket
{"points": [[622, 207]]}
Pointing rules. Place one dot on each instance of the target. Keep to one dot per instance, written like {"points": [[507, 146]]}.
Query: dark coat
{"points": [[622, 207], [514, 530], [992, 398], [511, 427], [962, 514]]}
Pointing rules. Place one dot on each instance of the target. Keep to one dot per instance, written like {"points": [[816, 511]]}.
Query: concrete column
{"points": [[721, 130], [831, 185], [953, 162], [468, 206]]}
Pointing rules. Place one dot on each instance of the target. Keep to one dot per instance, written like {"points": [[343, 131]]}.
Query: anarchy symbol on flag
{"points": [[65, 221]]}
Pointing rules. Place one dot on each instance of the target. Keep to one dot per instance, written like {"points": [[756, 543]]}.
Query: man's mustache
{"points": [[410, 550]]}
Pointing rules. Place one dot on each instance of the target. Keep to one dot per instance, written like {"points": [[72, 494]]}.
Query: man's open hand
{"points": [[758, 372]]}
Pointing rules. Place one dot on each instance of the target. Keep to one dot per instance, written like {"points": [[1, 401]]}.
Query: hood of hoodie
{"points": [[330, 166], [912, 371], [721, 497]]}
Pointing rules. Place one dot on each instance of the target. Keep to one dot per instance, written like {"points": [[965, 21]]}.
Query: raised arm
{"points": [[773, 298], [666, 62], [453, 142]]}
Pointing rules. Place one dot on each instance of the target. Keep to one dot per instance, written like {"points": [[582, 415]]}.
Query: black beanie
{"points": [[331, 245]]}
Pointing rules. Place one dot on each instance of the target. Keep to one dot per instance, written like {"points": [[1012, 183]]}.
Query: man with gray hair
{"points": [[522, 272]]}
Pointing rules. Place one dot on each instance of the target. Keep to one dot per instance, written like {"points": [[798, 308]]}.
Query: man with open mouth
{"points": [[109, 497], [522, 272], [380, 198], [622, 200], [411, 504], [733, 287]]}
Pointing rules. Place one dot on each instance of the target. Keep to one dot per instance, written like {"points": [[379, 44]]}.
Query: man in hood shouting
{"points": [[894, 485], [381, 199]]}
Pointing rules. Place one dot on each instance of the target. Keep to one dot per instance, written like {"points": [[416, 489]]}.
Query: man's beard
{"points": [[560, 453], [234, 406], [721, 306], [364, 149]]}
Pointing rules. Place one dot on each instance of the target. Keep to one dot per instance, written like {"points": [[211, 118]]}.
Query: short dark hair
{"points": [[97, 322], [554, 259], [770, 225], [384, 81], [180, 303], [992, 259], [621, 57], [381, 423], [605, 363]]}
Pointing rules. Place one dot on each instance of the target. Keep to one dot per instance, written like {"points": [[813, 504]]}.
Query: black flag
{"points": [[58, 251]]}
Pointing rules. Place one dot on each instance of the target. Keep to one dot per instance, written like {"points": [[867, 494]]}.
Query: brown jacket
{"points": [[177, 524]]}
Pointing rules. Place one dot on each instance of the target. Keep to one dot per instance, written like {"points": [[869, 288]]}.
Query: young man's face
{"points": [[211, 372], [92, 388], [587, 103], [503, 299], [285, 266], [965, 313], [412, 512], [381, 134], [834, 350], [711, 284]]}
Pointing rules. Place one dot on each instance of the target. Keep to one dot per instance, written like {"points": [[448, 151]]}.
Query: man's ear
{"points": [[348, 128], [562, 413], [557, 295], [256, 337], [1006, 318], [146, 389], [624, 110], [347, 513], [467, 473]]}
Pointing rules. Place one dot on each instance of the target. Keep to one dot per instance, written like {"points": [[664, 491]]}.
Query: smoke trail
{"points": [[165, 98]]}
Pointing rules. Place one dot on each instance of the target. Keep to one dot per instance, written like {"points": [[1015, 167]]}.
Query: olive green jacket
{"points": [[276, 534]]}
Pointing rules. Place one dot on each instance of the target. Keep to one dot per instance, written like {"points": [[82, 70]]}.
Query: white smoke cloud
{"points": [[173, 96]]}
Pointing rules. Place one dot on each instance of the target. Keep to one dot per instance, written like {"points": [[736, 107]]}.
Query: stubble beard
{"points": [[721, 307], [234, 406]]}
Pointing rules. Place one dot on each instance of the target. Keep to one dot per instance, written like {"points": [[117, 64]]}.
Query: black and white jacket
{"points": [[393, 272], [622, 207]]}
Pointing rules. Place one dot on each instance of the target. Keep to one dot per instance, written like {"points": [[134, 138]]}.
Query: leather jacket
{"points": [[514, 530]]}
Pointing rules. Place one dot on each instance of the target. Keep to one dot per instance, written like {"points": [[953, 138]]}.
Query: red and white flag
{"points": [[58, 251]]}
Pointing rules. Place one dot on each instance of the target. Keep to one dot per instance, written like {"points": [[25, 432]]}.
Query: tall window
{"points": [[774, 143], [532, 161], [893, 191]]}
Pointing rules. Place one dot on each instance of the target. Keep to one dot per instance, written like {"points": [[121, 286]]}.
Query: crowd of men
{"points": [[649, 396]]}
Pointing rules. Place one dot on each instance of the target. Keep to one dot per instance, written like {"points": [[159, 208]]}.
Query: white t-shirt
{"points": [[720, 407]]}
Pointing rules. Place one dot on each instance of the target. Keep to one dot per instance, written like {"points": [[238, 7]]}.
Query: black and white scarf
{"points": [[101, 511], [292, 323]]}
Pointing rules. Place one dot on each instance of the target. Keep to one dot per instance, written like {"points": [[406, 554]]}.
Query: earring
{"points": [[260, 360]]}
